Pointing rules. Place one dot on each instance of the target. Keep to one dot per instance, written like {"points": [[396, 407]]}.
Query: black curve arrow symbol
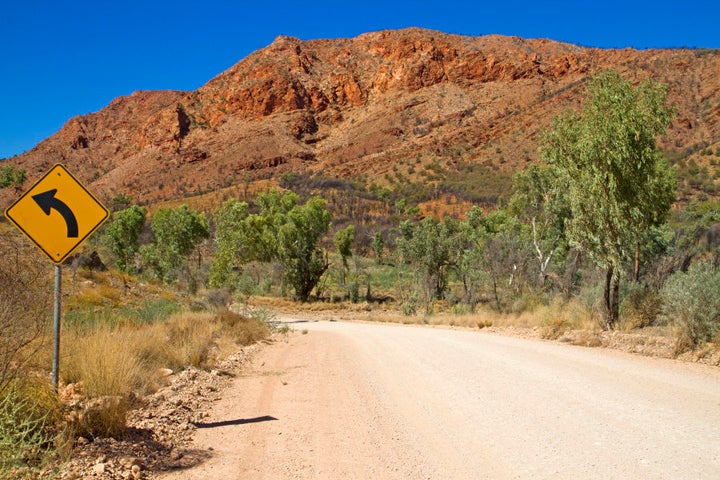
{"points": [[47, 201]]}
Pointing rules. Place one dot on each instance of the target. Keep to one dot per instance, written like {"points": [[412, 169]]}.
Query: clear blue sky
{"points": [[64, 58]]}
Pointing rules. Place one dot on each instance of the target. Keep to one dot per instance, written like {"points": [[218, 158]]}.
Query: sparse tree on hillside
{"points": [[617, 181], [10, 175]]}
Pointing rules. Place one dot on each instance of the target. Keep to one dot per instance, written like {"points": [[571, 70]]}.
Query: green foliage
{"points": [[121, 201], [27, 415], [430, 247], [298, 252], [618, 182], [177, 232], [378, 247], [504, 252], [122, 233], [150, 311], [693, 222], [11, 176], [231, 242], [691, 301], [282, 231], [344, 240], [540, 201]]}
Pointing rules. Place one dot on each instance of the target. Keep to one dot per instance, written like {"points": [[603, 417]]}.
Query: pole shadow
{"points": [[239, 421]]}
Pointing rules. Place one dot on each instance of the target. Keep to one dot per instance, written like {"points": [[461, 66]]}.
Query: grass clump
{"points": [[245, 330], [105, 363], [562, 316]]}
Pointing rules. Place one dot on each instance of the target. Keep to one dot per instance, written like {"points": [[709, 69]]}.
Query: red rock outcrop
{"points": [[360, 106]]}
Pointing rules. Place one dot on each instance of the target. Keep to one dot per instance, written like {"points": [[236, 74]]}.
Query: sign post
{"points": [[57, 214]]}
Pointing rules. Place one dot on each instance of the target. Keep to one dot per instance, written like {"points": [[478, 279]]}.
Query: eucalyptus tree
{"points": [[617, 181], [282, 231], [177, 232], [429, 247], [344, 239], [541, 202], [122, 234]]}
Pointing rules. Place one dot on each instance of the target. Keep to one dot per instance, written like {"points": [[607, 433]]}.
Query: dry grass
{"points": [[190, 336], [105, 362], [110, 365], [244, 330], [562, 316]]}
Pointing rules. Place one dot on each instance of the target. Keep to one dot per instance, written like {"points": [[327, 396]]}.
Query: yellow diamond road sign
{"points": [[58, 213]]}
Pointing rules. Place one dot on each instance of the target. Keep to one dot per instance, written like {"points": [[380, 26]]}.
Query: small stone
{"points": [[99, 468], [82, 441]]}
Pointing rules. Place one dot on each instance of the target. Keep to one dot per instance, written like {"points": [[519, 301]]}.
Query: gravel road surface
{"points": [[376, 401]]}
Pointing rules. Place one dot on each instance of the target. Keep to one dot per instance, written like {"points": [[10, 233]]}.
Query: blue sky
{"points": [[60, 59]]}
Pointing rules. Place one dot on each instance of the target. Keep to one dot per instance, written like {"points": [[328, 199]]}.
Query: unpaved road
{"points": [[373, 401]]}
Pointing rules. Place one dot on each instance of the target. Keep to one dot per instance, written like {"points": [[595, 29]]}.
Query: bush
{"points": [[25, 306], [691, 302], [639, 307], [561, 316], [29, 412]]}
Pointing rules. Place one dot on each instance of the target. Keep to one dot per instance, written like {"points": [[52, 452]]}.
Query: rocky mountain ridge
{"points": [[381, 104]]}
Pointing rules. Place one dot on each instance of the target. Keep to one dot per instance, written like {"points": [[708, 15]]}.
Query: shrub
{"points": [[640, 306], [25, 306], [691, 302], [29, 412]]}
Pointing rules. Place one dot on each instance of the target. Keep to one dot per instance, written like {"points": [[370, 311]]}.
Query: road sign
{"points": [[58, 214]]}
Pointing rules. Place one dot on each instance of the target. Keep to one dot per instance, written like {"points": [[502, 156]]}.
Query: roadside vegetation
{"points": [[588, 241]]}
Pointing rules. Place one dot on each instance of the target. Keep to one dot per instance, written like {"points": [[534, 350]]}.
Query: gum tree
{"points": [[617, 182], [122, 234], [282, 232]]}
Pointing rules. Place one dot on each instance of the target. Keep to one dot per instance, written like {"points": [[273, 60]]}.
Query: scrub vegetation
{"points": [[586, 241]]}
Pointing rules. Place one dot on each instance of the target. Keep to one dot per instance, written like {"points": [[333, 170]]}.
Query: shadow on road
{"points": [[239, 421]]}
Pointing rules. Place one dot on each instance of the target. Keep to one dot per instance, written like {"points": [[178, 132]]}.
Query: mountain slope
{"points": [[376, 106]]}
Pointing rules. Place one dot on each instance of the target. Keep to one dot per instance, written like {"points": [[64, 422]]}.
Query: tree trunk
{"points": [[612, 300], [615, 304], [636, 274], [497, 297]]}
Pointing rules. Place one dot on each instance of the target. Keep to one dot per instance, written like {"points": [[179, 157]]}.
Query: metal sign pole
{"points": [[56, 327]]}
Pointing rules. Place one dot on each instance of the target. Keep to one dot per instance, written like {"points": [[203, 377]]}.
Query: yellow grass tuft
{"points": [[104, 362]]}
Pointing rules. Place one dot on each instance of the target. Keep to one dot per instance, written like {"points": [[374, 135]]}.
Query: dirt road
{"points": [[373, 401]]}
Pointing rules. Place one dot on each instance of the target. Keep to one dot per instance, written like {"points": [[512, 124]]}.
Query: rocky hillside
{"points": [[379, 107]]}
